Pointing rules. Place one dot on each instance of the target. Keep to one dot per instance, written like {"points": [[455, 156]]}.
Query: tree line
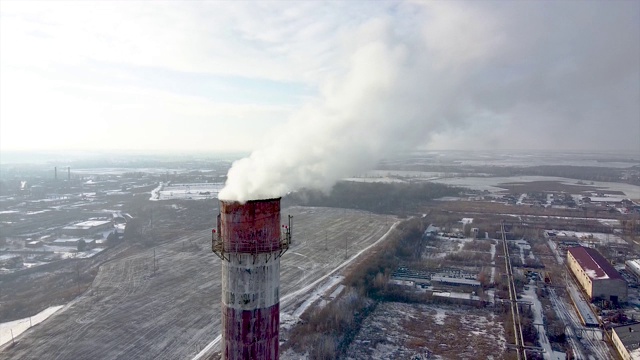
{"points": [[383, 198]]}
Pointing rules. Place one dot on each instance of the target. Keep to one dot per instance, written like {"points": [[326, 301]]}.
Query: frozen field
{"points": [[131, 313], [492, 183], [409, 331], [484, 182], [523, 159]]}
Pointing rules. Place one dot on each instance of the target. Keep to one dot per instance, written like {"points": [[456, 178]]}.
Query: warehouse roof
{"points": [[594, 264], [451, 280], [86, 225]]}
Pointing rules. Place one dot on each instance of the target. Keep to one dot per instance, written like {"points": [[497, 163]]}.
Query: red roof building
{"points": [[598, 278]]}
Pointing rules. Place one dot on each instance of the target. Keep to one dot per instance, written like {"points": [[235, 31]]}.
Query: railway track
{"points": [[513, 300]]}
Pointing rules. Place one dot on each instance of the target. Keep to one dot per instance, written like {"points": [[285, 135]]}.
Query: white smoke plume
{"points": [[447, 66]]}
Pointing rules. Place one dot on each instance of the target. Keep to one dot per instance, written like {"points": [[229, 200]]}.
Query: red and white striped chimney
{"points": [[250, 244]]}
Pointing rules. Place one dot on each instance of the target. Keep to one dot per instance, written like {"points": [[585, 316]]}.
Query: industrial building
{"points": [[596, 275], [452, 281], [87, 227], [73, 242], [626, 339]]}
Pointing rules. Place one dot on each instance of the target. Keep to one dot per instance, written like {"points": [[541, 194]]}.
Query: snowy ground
{"points": [[131, 312], [492, 183], [601, 238], [386, 180], [295, 303], [610, 222], [60, 252], [554, 248], [489, 183], [316, 294], [405, 331], [522, 246], [121, 170], [531, 296], [493, 263], [14, 328], [70, 252], [403, 174]]}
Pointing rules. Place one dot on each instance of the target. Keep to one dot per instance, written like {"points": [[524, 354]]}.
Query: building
{"points": [[596, 275], [73, 242], [431, 231], [34, 244], [87, 227], [633, 266], [626, 339], [451, 281]]}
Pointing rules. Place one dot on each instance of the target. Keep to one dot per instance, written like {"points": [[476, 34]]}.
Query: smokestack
{"points": [[55, 172], [250, 245], [69, 173]]}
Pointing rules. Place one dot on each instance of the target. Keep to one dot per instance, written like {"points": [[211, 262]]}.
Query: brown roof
{"points": [[594, 264]]}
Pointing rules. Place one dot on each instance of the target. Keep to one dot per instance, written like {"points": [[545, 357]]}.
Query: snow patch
{"points": [[22, 325], [440, 315]]}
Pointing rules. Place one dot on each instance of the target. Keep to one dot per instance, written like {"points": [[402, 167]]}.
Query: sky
{"points": [[197, 76]]}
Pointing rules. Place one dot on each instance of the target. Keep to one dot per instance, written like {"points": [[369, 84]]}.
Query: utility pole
{"points": [[346, 247], [13, 342]]}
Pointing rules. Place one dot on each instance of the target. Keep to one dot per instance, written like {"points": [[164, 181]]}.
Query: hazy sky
{"points": [[229, 76]]}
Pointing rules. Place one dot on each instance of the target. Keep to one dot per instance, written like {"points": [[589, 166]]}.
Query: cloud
{"points": [[269, 40], [76, 115], [528, 73], [391, 75]]}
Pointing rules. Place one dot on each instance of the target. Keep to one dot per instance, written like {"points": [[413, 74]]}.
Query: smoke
{"points": [[445, 67]]}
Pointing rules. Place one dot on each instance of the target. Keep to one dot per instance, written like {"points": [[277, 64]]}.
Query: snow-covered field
{"points": [[406, 331], [17, 327], [587, 237], [397, 176], [492, 183], [375, 180], [132, 312]]}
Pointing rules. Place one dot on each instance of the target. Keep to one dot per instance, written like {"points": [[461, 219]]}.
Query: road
{"points": [[131, 312]]}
